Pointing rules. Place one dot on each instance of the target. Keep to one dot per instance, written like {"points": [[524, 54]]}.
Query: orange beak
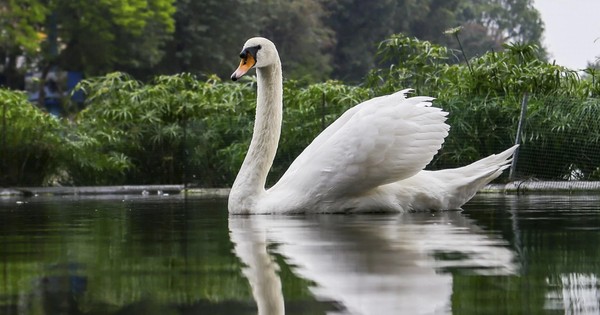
{"points": [[246, 64]]}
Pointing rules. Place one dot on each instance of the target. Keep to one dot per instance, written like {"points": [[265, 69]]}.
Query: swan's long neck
{"points": [[249, 184]]}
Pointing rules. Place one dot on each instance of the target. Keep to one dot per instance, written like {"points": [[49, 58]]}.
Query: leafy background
{"points": [[178, 128]]}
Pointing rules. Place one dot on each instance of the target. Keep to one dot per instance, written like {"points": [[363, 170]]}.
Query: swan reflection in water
{"points": [[369, 264]]}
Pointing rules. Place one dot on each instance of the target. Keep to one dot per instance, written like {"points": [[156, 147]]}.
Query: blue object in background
{"points": [[74, 77], [52, 96]]}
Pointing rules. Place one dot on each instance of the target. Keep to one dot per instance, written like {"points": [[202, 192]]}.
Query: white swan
{"points": [[370, 159]]}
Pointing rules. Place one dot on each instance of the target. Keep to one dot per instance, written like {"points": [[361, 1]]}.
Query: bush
{"points": [[31, 142], [155, 133]]}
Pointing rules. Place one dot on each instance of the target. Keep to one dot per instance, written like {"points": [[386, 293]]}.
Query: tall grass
{"points": [[30, 143]]}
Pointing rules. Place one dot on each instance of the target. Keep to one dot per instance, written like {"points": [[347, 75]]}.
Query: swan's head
{"points": [[257, 52]]}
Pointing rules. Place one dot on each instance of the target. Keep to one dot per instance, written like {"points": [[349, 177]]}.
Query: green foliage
{"points": [[180, 129], [432, 69], [20, 37], [18, 21], [298, 28], [319, 39], [102, 138], [209, 33], [112, 34], [487, 25], [222, 128], [160, 132], [510, 20], [409, 62], [480, 126], [518, 70], [566, 131], [30, 141], [77, 36], [135, 126]]}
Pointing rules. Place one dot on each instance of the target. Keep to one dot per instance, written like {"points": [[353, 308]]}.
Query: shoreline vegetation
{"points": [[179, 129]]}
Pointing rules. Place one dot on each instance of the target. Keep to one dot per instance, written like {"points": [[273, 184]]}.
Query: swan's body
{"points": [[370, 159]]}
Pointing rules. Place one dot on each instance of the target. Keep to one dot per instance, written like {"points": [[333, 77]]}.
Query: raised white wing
{"points": [[377, 142]]}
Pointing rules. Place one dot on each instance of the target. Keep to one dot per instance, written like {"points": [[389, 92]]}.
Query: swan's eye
{"points": [[250, 52], [244, 55]]}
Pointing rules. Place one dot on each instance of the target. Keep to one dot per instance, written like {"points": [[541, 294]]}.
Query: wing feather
{"points": [[380, 141]]}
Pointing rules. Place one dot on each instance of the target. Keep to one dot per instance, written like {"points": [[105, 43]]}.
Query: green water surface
{"points": [[168, 255]]}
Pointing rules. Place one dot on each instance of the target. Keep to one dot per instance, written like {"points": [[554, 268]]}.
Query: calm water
{"points": [[166, 255]]}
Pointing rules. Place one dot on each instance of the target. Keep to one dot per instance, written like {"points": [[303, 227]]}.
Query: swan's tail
{"points": [[451, 188], [462, 183]]}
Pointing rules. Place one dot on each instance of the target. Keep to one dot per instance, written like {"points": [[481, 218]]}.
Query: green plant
{"points": [[31, 143], [160, 132], [409, 62]]}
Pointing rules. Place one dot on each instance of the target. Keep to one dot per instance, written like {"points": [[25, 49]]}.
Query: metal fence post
{"points": [[5, 159], [513, 165], [184, 153], [323, 111], [4, 126]]}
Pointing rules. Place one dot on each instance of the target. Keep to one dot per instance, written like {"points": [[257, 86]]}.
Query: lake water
{"points": [[167, 255]]}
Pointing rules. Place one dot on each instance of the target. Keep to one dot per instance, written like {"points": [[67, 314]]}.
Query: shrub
{"points": [[31, 143], [161, 132]]}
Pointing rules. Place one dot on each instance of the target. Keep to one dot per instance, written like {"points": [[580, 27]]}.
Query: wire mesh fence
{"points": [[561, 141]]}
